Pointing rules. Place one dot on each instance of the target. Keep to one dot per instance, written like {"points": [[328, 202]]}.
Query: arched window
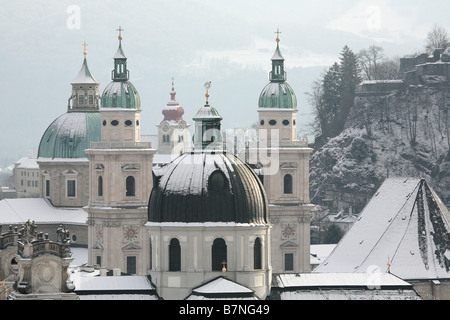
{"points": [[218, 254], [217, 182], [174, 255], [288, 184], [100, 186], [257, 254], [130, 185]]}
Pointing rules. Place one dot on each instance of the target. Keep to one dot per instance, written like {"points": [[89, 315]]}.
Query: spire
{"points": [[84, 75], [207, 86], [120, 72], [277, 74], [173, 93]]}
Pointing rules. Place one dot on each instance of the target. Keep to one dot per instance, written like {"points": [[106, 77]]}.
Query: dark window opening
{"points": [[100, 186], [47, 188], [288, 262], [286, 122], [262, 122], [131, 265], [257, 254], [219, 254], [130, 185], [174, 255], [114, 122], [128, 123], [272, 122], [71, 186], [217, 182], [99, 260], [288, 184]]}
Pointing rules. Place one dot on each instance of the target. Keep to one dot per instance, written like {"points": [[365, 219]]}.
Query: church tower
{"points": [[173, 131], [284, 160], [64, 176], [120, 168]]}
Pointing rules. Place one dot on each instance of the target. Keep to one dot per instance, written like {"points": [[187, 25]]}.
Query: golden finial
{"points": [[389, 266], [224, 269], [84, 44], [278, 35], [120, 33], [207, 86]]}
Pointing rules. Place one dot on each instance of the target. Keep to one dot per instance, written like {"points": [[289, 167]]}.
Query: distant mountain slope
{"points": [[403, 134]]}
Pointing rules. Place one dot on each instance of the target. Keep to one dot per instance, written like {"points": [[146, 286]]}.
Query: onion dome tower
{"points": [[284, 163], [120, 169], [173, 131], [208, 214], [61, 149]]}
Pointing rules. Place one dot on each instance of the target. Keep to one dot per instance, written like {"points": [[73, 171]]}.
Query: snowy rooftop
{"points": [[341, 286], [114, 287], [221, 288], [27, 163], [17, 211], [404, 224]]}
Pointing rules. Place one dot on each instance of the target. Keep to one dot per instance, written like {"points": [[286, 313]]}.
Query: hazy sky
{"points": [[229, 43]]}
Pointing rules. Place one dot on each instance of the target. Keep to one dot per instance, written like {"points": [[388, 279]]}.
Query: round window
{"points": [[272, 122], [128, 123], [286, 122], [114, 122]]}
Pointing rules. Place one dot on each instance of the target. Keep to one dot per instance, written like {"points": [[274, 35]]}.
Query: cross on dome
{"points": [[278, 34], [120, 33], [84, 44]]}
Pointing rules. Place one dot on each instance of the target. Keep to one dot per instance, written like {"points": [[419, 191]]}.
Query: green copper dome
{"points": [[69, 135], [121, 94], [277, 93]]}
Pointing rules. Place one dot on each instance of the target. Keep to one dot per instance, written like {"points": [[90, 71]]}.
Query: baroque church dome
{"points": [[72, 132], [120, 93], [277, 94], [207, 187]]}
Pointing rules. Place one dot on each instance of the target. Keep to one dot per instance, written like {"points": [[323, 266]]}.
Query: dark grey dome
{"points": [[207, 187]]}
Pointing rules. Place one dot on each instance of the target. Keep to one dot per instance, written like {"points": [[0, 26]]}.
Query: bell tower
{"points": [[284, 163], [120, 169]]}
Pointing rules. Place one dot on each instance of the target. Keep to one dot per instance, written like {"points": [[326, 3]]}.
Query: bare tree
{"points": [[437, 38], [369, 60]]}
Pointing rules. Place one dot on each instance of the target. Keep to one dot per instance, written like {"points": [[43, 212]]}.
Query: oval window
{"points": [[262, 122], [286, 122], [272, 122], [128, 123], [293, 122], [104, 122], [137, 122], [114, 122]]}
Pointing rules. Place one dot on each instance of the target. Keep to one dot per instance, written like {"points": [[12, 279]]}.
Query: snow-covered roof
{"points": [[221, 288], [27, 163], [405, 224], [84, 76], [18, 211], [341, 286], [319, 252], [114, 288]]}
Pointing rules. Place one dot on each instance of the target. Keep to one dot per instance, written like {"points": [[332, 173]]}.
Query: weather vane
{"points": [[120, 33], [278, 34], [84, 45], [207, 86]]}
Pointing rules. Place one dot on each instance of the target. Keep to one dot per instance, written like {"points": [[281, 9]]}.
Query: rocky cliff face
{"points": [[403, 134]]}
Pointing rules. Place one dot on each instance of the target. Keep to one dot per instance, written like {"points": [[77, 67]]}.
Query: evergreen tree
{"points": [[333, 234]]}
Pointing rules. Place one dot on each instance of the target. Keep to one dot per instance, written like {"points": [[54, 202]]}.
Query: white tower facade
{"points": [[120, 168], [284, 161]]}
